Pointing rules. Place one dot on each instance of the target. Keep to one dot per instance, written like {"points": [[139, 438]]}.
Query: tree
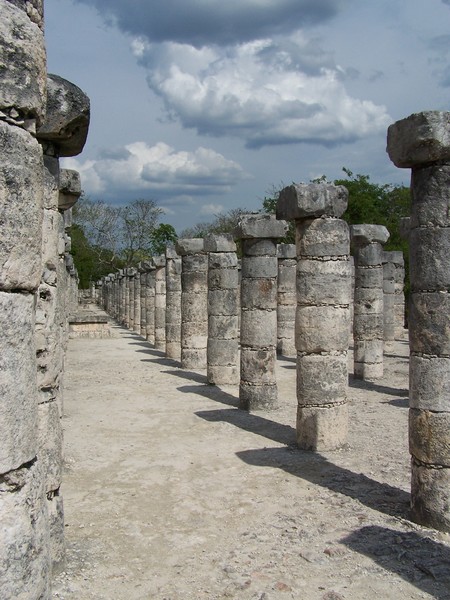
{"points": [[163, 235], [106, 238], [139, 221], [222, 223]]}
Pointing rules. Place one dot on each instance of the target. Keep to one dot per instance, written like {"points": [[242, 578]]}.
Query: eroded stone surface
{"points": [[420, 139]]}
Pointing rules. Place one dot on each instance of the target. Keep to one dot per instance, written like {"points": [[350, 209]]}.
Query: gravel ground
{"points": [[172, 493]]}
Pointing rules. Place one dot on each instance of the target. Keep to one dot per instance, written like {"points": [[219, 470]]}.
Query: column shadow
{"points": [[212, 392], [318, 470], [310, 466], [415, 558], [361, 384]]}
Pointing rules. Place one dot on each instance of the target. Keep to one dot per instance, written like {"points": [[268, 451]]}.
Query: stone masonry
{"points": [[286, 299], [173, 304], [36, 290], [223, 346], [322, 319], [258, 329], [160, 302], [368, 325], [422, 142], [194, 302]]}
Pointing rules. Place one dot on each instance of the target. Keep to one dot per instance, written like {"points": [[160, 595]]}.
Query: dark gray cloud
{"points": [[216, 22]]}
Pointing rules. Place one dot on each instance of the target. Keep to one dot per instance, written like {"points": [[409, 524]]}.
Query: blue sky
{"points": [[205, 105]]}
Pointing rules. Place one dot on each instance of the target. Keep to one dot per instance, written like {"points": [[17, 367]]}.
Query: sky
{"points": [[208, 105]]}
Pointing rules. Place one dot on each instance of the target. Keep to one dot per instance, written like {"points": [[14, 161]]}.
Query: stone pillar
{"points": [[223, 347], [131, 277], [194, 302], [399, 293], [323, 311], [150, 303], [259, 234], [137, 301], [368, 329], [391, 291], [143, 292], [287, 299], [422, 142], [24, 522], [173, 304], [160, 302]]}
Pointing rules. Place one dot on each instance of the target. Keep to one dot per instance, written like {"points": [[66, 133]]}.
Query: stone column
{"points": [[323, 311], [287, 299], [368, 329], [259, 234], [24, 537], [223, 347], [391, 291], [137, 301], [399, 293], [150, 303], [143, 292], [160, 302], [194, 302], [131, 278], [173, 304], [422, 142]]}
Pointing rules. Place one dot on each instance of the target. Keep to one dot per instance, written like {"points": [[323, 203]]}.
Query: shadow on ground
{"points": [[416, 558]]}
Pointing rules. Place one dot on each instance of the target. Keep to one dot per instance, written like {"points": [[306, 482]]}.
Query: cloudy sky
{"points": [[205, 105]]}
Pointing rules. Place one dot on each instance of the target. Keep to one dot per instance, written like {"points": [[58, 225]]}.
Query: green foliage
{"points": [[91, 262], [163, 235]]}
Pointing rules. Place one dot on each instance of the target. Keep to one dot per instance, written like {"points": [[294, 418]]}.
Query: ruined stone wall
{"points": [[37, 289]]}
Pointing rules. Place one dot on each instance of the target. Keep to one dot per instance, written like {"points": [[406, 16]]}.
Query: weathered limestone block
{"points": [[330, 370], [430, 202], [24, 542], [18, 407], [222, 344], [332, 336], [322, 427], [422, 141], [429, 383], [194, 303], [323, 311], [321, 238], [69, 188], [23, 77], [304, 201], [429, 439], [55, 509], [258, 325], [21, 209], [33, 8], [67, 119], [50, 441], [429, 311]]}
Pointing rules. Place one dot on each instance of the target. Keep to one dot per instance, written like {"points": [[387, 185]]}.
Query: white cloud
{"points": [[159, 170], [263, 92]]}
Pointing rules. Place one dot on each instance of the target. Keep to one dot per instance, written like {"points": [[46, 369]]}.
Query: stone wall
{"points": [[37, 285]]}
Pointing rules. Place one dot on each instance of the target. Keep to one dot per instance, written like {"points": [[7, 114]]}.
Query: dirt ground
{"points": [[172, 493]]}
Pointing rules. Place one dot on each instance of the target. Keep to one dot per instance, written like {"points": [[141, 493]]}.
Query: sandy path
{"points": [[171, 493]]}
